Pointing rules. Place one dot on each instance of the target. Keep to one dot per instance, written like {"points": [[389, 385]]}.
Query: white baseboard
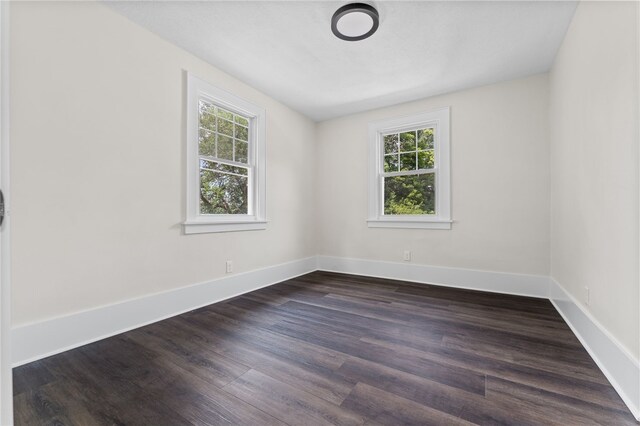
{"points": [[34, 341], [617, 364], [496, 282]]}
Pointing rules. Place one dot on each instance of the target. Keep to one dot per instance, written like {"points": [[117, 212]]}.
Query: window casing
{"points": [[225, 161], [409, 172]]}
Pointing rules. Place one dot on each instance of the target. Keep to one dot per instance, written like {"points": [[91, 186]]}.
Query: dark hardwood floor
{"points": [[336, 349]]}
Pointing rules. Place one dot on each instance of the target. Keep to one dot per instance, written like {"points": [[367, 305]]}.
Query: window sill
{"points": [[204, 227], [409, 223]]}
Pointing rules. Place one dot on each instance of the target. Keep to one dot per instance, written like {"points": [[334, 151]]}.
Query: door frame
{"points": [[6, 379]]}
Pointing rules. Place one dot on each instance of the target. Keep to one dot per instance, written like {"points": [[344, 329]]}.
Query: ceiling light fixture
{"points": [[355, 21]]}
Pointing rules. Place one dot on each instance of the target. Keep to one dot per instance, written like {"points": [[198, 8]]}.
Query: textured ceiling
{"points": [[286, 48]]}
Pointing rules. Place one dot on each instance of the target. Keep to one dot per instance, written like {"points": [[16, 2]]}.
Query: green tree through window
{"points": [[223, 147], [409, 175]]}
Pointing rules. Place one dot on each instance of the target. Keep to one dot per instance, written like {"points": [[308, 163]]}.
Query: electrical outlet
{"points": [[587, 296], [406, 256], [229, 266]]}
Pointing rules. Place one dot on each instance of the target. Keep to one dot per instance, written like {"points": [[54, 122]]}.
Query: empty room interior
{"points": [[319, 212]]}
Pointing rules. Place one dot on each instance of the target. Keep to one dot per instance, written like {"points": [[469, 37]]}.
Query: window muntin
{"points": [[409, 171], [226, 161]]}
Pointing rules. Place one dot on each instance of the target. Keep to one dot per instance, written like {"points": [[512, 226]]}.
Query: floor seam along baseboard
{"points": [[38, 340]]}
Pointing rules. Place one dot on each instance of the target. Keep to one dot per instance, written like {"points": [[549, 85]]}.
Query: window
{"points": [[409, 172], [225, 161]]}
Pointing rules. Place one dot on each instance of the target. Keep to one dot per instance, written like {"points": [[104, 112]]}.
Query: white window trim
{"points": [[442, 218], [195, 222]]}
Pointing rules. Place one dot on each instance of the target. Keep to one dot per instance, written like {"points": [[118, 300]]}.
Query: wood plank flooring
{"points": [[331, 349]]}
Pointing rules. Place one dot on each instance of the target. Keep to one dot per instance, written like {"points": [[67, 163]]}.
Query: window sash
{"points": [[382, 174], [224, 161], [409, 172], [249, 165], [249, 176], [224, 172]]}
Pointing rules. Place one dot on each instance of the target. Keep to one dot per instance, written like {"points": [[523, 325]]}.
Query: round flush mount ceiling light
{"points": [[355, 21]]}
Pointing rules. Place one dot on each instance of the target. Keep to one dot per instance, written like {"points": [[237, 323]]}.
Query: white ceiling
{"points": [[286, 48]]}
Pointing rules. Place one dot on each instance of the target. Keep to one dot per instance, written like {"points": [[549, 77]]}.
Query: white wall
{"points": [[98, 166], [594, 166], [98, 170], [500, 183]]}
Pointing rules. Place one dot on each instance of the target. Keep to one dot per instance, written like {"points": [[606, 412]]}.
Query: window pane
{"points": [[408, 141], [242, 120], [425, 159], [222, 193], [390, 144], [225, 127], [242, 133], [225, 148], [413, 194], [204, 106], [207, 143], [225, 114], [207, 107], [242, 152], [391, 163], [207, 116], [425, 139], [408, 161]]}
